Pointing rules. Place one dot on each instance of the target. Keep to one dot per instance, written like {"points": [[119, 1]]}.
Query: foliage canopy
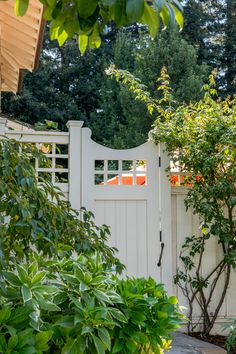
{"points": [[88, 18]]}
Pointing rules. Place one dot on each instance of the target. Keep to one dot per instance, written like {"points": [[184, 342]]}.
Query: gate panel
{"points": [[129, 231], [121, 187]]}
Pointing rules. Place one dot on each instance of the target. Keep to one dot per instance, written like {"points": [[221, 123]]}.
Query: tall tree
{"points": [[229, 62], [70, 86], [210, 25], [130, 122]]}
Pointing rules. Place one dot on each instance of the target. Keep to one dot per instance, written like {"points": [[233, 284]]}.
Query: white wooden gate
{"points": [[122, 188]]}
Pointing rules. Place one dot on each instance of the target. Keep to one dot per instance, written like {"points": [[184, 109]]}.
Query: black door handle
{"points": [[160, 258]]}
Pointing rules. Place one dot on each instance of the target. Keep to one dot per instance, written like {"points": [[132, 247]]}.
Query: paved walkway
{"points": [[183, 344]]}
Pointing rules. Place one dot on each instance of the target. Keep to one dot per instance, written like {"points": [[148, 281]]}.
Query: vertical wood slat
{"points": [[131, 225], [121, 230], [142, 255]]}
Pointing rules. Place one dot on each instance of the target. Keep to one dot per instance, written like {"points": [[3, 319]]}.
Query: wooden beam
{"points": [[20, 42], [33, 11], [21, 36]]}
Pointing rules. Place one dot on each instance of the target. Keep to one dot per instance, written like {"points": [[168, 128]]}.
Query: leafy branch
{"points": [[88, 19], [200, 138]]}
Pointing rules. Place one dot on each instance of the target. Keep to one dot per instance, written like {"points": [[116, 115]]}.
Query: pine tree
{"points": [[128, 121], [210, 25], [229, 62]]}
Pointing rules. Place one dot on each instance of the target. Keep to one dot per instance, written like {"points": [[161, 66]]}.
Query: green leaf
{"points": [[151, 18], [66, 322], [98, 345], [134, 9], [138, 317], [118, 346], [120, 13], [5, 313], [54, 32], [33, 268], [101, 295], [86, 329], [131, 346], [83, 43], [38, 277], [159, 4], [165, 15], [83, 286], [95, 39], [13, 341], [21, 7], [173, 300], [48, 306], [86, 8], [179, 17], [60, 298], [98, 280], [62, 38], [3, 344], [46, 289], [118, 315], [57, 9], [42, 338], [19, 315], [71, 347], [26, 293], [11, 278], [23, 275], [105, 337], [28, 350], [24, 337]]}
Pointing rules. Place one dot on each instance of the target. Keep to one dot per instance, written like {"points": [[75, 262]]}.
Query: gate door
{"points": [[121, 188]]}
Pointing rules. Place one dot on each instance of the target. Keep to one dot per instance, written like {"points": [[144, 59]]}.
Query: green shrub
{"points": [[34, 215], [151, 316], [63, 305], [230, 344]]}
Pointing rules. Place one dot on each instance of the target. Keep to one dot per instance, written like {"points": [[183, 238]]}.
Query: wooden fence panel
{"points": [[185, 223]]}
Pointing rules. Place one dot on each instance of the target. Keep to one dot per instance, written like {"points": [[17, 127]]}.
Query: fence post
{"points": [[3, 125], [165, 194], [75, 162]]}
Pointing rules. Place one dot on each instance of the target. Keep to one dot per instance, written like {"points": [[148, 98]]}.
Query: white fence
{"points": [[186, 224], [128, 190]]}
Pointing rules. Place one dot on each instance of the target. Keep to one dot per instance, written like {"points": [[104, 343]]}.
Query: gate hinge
{"points": [[159, 161]]}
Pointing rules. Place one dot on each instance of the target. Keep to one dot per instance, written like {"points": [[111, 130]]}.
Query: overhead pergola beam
{"points": [[20, 42]]}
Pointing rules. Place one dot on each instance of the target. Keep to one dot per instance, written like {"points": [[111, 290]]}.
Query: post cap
{"points": [[74, 123]]}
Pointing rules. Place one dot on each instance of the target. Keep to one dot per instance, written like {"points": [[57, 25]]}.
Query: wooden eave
{"points": [[20, 42]]}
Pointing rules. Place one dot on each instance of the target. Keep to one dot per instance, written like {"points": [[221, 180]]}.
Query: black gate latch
{"points": [[160, 258]]}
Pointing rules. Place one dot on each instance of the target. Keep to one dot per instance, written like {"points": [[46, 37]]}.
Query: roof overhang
{"points": [[20, 42]]}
